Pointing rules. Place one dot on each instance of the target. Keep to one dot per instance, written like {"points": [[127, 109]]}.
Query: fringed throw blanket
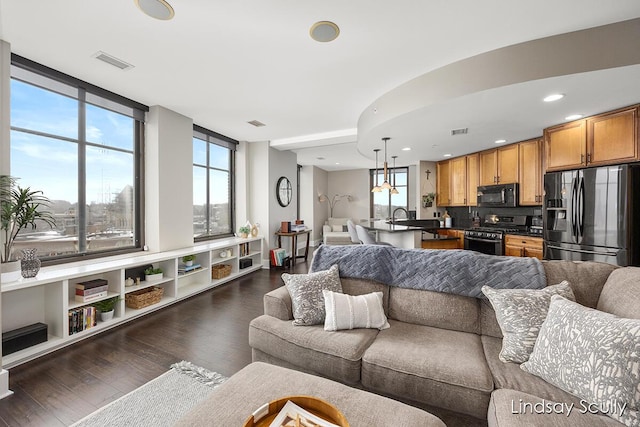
{"points": [[452, 271]]}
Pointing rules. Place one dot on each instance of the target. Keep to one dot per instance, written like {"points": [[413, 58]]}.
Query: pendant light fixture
{"points": [[385, 185], [376, 188], [394, 190]]}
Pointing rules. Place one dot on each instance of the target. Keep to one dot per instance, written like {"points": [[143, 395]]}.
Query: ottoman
{"points": [[258, 383]]}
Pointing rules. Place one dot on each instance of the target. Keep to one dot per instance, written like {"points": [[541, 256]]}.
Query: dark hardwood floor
{"points": [[209, 329]]}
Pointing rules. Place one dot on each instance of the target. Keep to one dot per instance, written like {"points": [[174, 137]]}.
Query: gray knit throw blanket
{"points": [[452, 271]]}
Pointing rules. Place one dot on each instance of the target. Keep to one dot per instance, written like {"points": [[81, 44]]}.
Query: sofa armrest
{"points": [[326, 229], [277, 303]]}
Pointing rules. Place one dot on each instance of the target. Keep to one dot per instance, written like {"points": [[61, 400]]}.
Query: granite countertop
{"points": [[389, 228]]}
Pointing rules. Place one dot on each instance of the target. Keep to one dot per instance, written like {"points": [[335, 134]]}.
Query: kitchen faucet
{"points": [[393, 216]]}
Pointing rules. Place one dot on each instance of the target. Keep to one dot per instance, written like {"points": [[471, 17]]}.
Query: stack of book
{"points": [[82, 318], [91, 290], [183, 269], [278, 257], [244, 249]]}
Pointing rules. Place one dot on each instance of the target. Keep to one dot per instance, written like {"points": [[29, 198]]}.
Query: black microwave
{"points": [[498, 196]]}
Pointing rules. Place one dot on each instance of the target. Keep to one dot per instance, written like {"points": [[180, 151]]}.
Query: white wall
{"points": [[313, 182], [281, 163], [427, 185], [168, 180], [258, 191], [355, 183], [5, 150]]}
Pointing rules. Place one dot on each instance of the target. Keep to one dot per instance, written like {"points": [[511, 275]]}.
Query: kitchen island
{"points": [[423, 234], [400, 236]]}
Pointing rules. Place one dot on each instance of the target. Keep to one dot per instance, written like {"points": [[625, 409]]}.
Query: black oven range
{"points": [[489, 239]]}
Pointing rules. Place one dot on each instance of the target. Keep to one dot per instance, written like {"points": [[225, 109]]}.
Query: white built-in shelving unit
{"points": [[50, 296]]}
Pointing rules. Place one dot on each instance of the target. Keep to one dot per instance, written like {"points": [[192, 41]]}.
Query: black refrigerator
{"points": [[592, 214]]}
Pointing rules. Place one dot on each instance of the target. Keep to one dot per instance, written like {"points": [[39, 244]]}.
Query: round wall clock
{"points": [[284, 191]]}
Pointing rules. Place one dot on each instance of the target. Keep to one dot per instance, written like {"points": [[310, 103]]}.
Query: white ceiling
{"points": [[225, 63]]}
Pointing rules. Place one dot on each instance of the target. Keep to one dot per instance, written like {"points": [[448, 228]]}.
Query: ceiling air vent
{"points": [[461, 131], [256, 123], [112, 60]]}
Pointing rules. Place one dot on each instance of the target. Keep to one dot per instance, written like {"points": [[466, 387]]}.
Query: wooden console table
{"points": [[294, 243]]}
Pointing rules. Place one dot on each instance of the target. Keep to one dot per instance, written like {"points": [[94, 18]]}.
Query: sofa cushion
{"points": [[509, 375], [363, 286], [585, 277], [306, 294], [592, 354], [621, 293], [520, 314], [437, 309], [353, 311], [336, 355], [512, 408], [421, 363]]}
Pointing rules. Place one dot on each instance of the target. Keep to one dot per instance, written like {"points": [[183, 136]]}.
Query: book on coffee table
{"points": [[292, 415]]}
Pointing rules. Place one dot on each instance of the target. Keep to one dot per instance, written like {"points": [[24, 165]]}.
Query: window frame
{"points": [[390, 172], [211, 137], [47, 78]]}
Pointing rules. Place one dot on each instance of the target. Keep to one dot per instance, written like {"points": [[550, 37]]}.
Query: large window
{"points": [[383, 203], [213, 202], [80, 145]]}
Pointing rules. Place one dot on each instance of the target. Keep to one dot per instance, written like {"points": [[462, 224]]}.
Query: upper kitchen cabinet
{"points": [[458, 181], [443, 195], [530, 172], [604, 139], [565, 145], [472, 179], [612, 137], [499, 166]]}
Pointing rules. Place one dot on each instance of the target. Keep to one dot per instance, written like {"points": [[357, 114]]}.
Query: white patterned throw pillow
{"points": [[593, 355], [520, 314], [305, 290], [354, 311]]}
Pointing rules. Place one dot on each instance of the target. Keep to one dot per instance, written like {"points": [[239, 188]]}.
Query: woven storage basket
{"points": [[144, 297], [219, 271]]}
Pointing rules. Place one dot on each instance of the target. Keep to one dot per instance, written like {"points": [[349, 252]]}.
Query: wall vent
{"points": [[112, 60], [461, 131], [256, 123]]}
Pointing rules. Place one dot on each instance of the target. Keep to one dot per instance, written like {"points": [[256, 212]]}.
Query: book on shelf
{"points": [[90, 298], [244, 249], [92, 291], [298, 227], [187, 268], [278, 256], [89, 284], [81, 319]]}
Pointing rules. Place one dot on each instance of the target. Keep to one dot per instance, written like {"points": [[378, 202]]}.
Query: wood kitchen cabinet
{"points": [[523, 246], [612, 137], [458, 181], [443, 195], [604, 139], [530, 170], [499, 166], [472, 179]]}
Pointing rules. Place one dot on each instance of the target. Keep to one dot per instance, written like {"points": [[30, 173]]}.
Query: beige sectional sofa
{"points": [[441, 351]]}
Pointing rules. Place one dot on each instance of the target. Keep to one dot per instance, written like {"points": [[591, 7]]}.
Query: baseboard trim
{"points": [[4, 384]]}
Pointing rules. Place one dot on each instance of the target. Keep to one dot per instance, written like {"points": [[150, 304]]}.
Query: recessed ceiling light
{"points": [[574, 117], [337, 163], [500, 141], [447, 155], [553, 97], [324, 31], [406, 149], [158, 9]]}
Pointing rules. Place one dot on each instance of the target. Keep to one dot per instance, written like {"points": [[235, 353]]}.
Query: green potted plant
{"points": [[106, 307], [20, 208], [244, 231], [153, 273], [188, 260], [427, 200]]}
